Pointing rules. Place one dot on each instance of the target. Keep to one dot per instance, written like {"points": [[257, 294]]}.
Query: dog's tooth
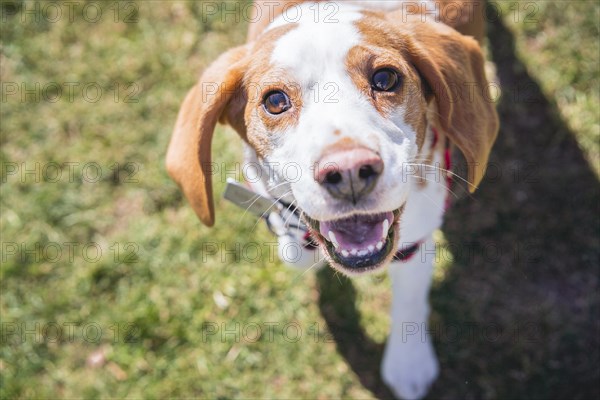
{"points": [[353, 252], [362, 253], [345, 253], [333, 239], [385, 228], [379, 245], [371, 248]]}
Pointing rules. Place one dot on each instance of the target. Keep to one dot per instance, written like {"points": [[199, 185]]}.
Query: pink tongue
{"points": [[359, 231]]}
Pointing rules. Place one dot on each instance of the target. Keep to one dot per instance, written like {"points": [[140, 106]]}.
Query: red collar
{"points": [[408, 252]]}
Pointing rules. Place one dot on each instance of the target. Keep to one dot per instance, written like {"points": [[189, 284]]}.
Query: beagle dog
{"points": [[363, 98]]}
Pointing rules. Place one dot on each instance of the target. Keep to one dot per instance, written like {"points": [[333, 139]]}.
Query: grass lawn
{"points": [[110, 287]]}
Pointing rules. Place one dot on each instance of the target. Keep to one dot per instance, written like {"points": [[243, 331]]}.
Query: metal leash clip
{"points": [[280, 219]]}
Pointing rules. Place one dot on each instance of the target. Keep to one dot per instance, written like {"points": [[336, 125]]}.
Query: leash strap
{"points": [[279, 216]]}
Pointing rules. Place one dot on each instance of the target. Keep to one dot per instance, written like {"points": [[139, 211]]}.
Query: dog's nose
{"points": [[349, 174]]}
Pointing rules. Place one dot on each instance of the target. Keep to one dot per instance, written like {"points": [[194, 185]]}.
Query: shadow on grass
{"points": [[337, 304], [524, 277]]}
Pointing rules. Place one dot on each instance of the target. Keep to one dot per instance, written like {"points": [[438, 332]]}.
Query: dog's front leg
{"points": [[409, 364]]}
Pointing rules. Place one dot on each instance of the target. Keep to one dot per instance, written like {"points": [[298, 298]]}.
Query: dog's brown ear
{"points": [[453, 66], [189, 153]]}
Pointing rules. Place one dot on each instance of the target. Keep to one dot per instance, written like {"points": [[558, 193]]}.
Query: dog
{"points": [[406, 84]]}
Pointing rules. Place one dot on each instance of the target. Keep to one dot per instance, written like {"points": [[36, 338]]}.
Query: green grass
{"points": [[559, 44], [157, 301]]}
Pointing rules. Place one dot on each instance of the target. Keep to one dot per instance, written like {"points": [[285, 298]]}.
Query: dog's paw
{"points": [[409, 369]]}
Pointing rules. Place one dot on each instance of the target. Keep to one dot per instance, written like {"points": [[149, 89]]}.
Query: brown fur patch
{"points": [[385, 48], [345, 143], [246, 112], [452, 64]]}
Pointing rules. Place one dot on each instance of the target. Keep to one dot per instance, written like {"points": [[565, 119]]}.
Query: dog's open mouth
{"points": [[358, 243]]}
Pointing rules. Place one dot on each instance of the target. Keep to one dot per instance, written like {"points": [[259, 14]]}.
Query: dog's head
{"points": [[346, 102]]}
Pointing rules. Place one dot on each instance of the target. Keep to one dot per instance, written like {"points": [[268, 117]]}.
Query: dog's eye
{"points": [[385, 80], [277, 102]]}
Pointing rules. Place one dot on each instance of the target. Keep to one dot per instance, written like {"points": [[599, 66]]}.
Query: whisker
{"points": [[435, 203], [266, 212], [444, 170], [336, 274], [258, 196], [437, 183], [287, 220], [437, 113], [311, 267], [272, 188], [301, 213], [276, 201], [421, 159]]}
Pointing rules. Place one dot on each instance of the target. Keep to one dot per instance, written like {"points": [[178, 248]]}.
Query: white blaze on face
{"points": [[313, 55], [319, 43]]}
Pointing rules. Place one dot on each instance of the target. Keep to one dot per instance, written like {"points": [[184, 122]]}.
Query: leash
{"points": [[279, 217]]}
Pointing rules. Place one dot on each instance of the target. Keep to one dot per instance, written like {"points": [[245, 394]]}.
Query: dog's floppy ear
{"points": [[189, 153], [453, 66]]}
